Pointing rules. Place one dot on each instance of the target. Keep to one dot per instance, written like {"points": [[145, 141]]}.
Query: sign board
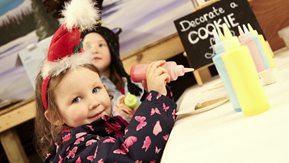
{"points": [[195, 29]]}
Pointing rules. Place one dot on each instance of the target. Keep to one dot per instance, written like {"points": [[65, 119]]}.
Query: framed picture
{"points": [[17, 30]]}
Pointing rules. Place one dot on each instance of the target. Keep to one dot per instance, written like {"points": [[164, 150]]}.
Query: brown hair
{"points": [[46, 132]]}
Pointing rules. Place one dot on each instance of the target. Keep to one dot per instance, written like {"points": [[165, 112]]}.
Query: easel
{"points": [[203, 74]]}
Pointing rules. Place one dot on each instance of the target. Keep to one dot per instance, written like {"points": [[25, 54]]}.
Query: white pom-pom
{"points": [[80, 13]]}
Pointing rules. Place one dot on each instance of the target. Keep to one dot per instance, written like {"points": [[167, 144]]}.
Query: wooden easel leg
{"points": [[198, 77], [202, 75], [12, 147]]}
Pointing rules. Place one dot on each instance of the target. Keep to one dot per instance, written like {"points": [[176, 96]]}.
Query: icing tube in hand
{"points": [[138, 71]]}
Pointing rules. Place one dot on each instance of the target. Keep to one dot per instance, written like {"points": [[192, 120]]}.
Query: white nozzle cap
{"points": [[251, 29], [230, 40], [218, 47], [189, 70], [240, 31], [245, 29]]}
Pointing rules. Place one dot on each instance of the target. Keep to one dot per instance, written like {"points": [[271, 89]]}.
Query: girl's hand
{"points": [[122, 109], [157, 77]]}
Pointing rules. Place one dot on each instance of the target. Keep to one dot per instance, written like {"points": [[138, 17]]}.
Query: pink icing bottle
{"points": [[138, 71]]}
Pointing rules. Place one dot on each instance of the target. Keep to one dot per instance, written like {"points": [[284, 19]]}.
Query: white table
{"points": [[222, 135]]}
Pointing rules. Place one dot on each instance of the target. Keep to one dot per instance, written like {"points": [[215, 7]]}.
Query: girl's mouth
{"points": [[96, 57], [97, 115]]}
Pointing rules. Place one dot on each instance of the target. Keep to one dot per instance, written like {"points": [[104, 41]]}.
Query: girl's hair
{"points": [[116, 66], [46, 132]]}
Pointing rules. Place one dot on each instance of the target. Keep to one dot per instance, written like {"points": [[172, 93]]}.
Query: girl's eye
{"points": [[95, 90], [102, 45], [76, 100]]}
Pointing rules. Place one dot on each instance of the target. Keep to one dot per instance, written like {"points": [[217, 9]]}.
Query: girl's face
{"points": [[81, 97], [97, 45]]}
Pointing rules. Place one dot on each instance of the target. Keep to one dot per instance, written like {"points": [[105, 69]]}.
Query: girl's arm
{"points": [[145, 136], [150, 127], [147, 133]]}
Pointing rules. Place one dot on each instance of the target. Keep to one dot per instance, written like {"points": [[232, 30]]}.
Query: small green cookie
{"points": [[131, 101]]}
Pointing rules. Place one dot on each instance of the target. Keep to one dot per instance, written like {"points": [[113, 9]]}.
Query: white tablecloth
{"points": [[222, 135]]}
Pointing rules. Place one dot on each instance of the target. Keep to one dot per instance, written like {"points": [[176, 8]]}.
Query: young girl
{"points": [[103, 44], [78, 120], [73, 119]]}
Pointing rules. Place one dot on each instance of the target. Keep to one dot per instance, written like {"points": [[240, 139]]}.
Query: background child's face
{"points": [[81, 97], [97, 45]]}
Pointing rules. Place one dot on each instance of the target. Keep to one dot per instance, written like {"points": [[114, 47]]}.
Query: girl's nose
{"points": [[93, 103], [93, 106], [94, 49]]}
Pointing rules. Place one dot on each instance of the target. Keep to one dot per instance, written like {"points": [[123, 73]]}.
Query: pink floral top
{"points": [[112, 139]]}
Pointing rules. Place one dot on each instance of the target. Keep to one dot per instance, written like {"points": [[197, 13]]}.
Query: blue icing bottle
{"points": [[217, 59]]}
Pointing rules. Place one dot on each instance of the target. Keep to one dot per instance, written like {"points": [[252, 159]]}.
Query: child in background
{"points": [[73, 119], [103, 44]]}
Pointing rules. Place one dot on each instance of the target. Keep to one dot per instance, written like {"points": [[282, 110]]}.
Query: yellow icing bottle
{"points": [[243, 74]]}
